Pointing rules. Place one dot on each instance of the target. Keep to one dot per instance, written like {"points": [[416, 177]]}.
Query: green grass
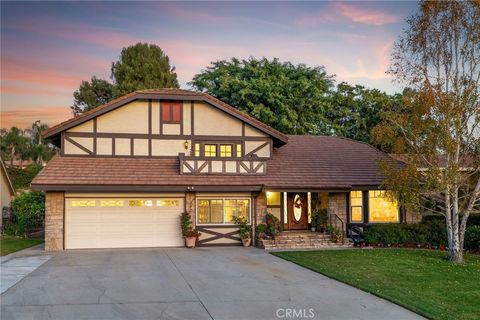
{"points": [[423, 281], [12, 244]]}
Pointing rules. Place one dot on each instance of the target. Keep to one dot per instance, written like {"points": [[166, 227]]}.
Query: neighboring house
{"points": [[7, 191], [127, 169]]}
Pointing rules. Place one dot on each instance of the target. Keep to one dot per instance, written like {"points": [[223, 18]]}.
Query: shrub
{"points": [[22, 178], [473, 219], [261, 228], [472, 238], [273, 225], [29, 211], [433, 217]]}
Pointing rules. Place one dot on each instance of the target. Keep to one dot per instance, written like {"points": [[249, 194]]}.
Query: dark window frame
{"points": [[170, 106]]}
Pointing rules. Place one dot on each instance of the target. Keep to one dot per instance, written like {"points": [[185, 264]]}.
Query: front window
{"points": [[356, 205], [225, 150], [381, 207], [210, 150], [222, 211]]}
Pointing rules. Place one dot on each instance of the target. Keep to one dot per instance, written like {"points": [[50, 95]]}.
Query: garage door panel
{"points": [[121, 223]]}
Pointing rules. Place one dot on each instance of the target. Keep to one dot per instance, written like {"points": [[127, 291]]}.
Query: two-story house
{"points": [[127, 170]]}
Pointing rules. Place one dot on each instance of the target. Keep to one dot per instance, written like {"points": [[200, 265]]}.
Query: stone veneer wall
{"points": [[190, 205], [54, 216], [260, 207], [337, 203]]}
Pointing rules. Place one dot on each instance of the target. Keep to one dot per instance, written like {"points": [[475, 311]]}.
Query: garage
{"points": [[123, 222]]}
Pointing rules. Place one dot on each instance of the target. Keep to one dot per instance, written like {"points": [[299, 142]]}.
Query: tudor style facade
{"points": [[127, 169]]}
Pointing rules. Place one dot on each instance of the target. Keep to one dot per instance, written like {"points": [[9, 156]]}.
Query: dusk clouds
{"points": [[49, 48]]}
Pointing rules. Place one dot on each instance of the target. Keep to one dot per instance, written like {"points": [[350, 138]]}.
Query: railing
{"points": [[334, 220]]}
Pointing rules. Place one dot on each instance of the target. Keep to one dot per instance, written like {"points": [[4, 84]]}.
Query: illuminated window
{"points": [[171, 111], [83, 203], [197, 150], [273, 198], [239, 150], [225, 150], [112, 203], [210, 150], [356, 205], [381, 207], [168, 203], [218, 211], [140, 203]]}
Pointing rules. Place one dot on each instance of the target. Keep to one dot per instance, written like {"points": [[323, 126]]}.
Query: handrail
{"points": [[337, 219]]}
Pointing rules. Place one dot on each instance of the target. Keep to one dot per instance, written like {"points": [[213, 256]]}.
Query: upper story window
{"points": [[171, 111], [212, 150], [225, 150]]}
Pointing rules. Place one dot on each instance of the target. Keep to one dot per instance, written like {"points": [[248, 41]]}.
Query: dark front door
{"points": [[297, 211]]}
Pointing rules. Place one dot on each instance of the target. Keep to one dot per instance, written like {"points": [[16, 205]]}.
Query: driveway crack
{"points": [[188, 283]]}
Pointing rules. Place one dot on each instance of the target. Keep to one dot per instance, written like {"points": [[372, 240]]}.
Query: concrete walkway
{"points": [[17, 265], [203, 283]]}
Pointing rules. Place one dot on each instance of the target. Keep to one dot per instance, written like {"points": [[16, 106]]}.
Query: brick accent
{"points": [[190, 205], [260, 207], [54, 220], [337, 203]]}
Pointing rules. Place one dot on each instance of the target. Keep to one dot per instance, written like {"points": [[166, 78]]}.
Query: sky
{"points": [[48, 48]]}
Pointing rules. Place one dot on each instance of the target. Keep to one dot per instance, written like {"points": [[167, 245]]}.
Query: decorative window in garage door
{"points": [[112, 203], [140, 203], [168, 203], [83, 203]]}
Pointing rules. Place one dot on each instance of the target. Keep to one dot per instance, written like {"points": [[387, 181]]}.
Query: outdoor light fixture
{"points": [[185, 144], [269, 194]]}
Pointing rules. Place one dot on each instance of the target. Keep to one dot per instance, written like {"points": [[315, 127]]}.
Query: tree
{"points": [[91, 94], [39, 150], [355, 111], [142, 66], [437, 125], [15, 144], [287, 97]]}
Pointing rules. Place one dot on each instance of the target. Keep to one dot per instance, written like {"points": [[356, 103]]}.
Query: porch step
{"points": [[303, 240]]}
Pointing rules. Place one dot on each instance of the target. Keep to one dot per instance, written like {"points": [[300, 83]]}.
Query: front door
{"points": [[297, 210]]}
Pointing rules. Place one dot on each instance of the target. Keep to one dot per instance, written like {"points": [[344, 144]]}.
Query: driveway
{"points": [[202, 283]]}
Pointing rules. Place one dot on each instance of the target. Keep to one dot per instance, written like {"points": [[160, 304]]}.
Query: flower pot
{"points": [[313, 229], [190, 242], [246, 242]]}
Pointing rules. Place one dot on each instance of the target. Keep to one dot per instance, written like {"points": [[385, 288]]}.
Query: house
{"points": [[127, 169], [7, 191]]}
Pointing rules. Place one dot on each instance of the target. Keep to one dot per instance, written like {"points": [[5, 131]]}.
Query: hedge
{"points": [[473, 219], [28, 210], [472, 238]]}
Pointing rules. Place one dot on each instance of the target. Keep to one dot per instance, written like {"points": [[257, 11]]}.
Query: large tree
{"points": [[288, 97], [142, 66], [437, 126], [355, 111], [91, 94]]}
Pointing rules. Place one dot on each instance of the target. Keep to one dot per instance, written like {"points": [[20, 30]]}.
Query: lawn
{"points": [[11, 244], [420, 280]]}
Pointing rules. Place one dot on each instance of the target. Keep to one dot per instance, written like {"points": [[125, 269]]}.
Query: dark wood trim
{"points": [[144, 188], [218, 235], [132, 147], [243, 129], [160, 123], [347, 201], [366, 210], [145, 96], [150, 116], [78, 145], [62, 143], [113, 147], [192, 118], [263, 145], [181, 118], [95, 138]]}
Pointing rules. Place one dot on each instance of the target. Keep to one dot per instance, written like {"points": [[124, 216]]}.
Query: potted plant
{"points": [[322, 220], [189, 233], [245, 230], [273, 225], [261, 230], [314, 219]]}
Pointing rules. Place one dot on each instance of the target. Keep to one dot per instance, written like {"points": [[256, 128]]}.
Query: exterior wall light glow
{"points": [[185, 144]]}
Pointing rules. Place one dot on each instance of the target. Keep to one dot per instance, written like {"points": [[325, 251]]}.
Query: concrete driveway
{"points": [[203, 283]]}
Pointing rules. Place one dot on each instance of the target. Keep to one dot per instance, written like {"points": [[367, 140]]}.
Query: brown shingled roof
{"points": [[166, 93], [305, 162]]}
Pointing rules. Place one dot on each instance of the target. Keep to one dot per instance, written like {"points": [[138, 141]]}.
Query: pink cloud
{"points": [[25, 117], [349, 12]]}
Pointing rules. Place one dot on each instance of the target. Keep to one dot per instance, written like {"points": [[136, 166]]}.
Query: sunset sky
{"points": [[48, 48]]}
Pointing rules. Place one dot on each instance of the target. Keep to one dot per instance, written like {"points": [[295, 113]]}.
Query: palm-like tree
{"points": [[39, 150], [16, 144]]}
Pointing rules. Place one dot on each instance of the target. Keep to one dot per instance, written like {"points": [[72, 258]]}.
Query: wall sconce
{"points": [[185, 144]]}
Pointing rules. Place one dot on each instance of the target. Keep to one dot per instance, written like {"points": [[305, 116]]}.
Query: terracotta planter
{"points": [[190, 242], [247, 242]]}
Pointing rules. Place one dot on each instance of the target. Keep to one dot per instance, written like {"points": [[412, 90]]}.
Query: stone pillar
{"points": [[190, 205], [54, 220], [337, 203], [260, 208]]}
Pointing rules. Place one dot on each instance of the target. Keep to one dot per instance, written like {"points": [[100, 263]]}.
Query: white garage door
{"points": [[122, 222]]}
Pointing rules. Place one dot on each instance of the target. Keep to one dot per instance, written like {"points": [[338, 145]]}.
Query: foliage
{"points": [[336, 236], [273, 225], [288, 97], [437, 125], [319, 218], [330, 229], [473, 220], [186, 223], [22, 178], [355, 110], [13, 244], [91, 94], [29, 211], [142, 66], [472, 238], [261, 228], [245, 229], [423, 281], [430, 233]]}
